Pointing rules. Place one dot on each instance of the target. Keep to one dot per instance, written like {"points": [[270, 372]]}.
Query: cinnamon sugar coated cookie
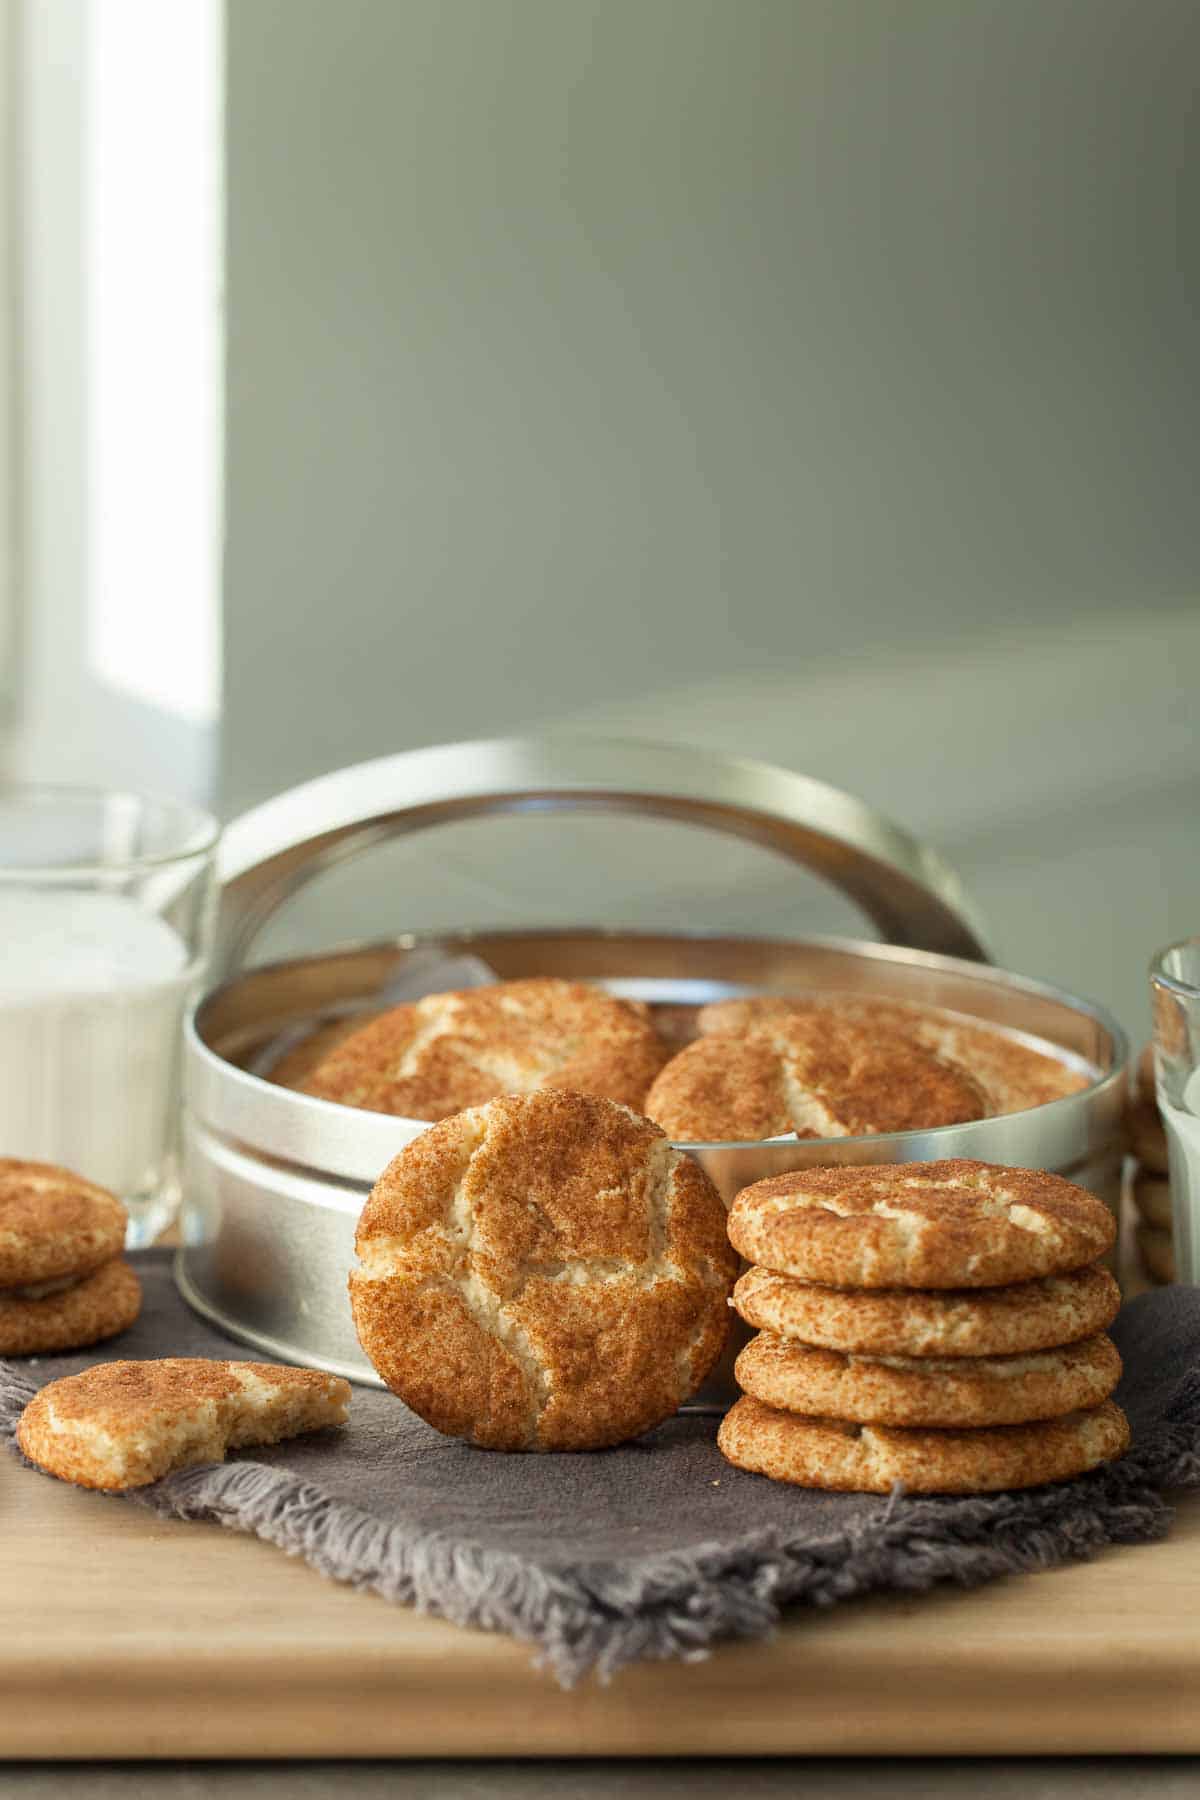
{"points": [[1152, 1198], [294, 1064], [871, 1459], [925, 1225], [72, 1314], [54, 1223], [1147, 1134], [814, 1074], [997, 1321], [125, 1424], [1156, 1247], [935, 1391], [439, 1055], [1011, 1074], [543, 1273]]}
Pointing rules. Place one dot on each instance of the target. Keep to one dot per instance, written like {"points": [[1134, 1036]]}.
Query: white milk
{"points": [[1183, 1143], [92, 988]]}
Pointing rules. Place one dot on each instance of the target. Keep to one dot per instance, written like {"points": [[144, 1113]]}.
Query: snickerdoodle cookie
{"points": [[124, 1424], [997, 1321], [871, 1459], [1147, 1134], [925, 1225], [69, 1313], [1156, 1247], [436, 1056], [930, 1390], [1152, 1197], [543, 1273], [1012, 1074], [54, 1223], [814, 1074]]}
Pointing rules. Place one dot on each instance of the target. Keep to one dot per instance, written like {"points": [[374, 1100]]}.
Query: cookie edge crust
{"points": [[867, 1391], [875, 1321], [102, 1305], [817, 1244], [758, 1440]]}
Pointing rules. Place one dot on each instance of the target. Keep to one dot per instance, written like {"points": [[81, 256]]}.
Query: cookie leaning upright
{"points": [[543, 1273], [1150, 1186], [954, 1224]]}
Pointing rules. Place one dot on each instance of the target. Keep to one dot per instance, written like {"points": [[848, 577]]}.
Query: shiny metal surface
{"points": [[908, 893], [274, 1180]]}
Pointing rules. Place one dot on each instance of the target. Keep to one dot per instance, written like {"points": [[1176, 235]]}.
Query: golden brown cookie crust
{"points": [[1147, 1135], [1012, 1075], [545, 1273], [125, 1424], [948, 1224], [929, 1391], [1152, 1197], [871, 1459], [814, 1074], [997, 1321], [1156, 1248], [53, 1222], [97, 1306], [295, 1065], [447, 1052]]}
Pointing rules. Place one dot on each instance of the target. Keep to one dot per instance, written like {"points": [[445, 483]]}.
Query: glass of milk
{"points": [[106, 910], [1175, 989]]}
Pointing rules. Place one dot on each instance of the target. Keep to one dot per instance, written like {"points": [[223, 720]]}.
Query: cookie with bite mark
{"points": [[125, 1424]]}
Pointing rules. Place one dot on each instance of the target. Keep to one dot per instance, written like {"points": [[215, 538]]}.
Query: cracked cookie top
{"points": [[432, 1058], [1011, 1074], [953, 1224], [815, 1074], [545, 1272]]}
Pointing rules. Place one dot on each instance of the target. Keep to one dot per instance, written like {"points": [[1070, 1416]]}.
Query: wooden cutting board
{"points": [[122, 1635]]}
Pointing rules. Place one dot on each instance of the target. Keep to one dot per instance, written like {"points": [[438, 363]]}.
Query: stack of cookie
{"points": [[1150, 1185], [63, 1282], [941, 1325]]}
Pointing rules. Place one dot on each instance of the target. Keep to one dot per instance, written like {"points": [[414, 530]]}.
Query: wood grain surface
{"points": [[129, 1636]]}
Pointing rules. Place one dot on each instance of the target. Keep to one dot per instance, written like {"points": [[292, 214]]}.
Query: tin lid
{"points": [[908, 893]]}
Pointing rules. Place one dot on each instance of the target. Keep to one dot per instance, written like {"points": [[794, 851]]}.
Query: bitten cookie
{"points": [[54, 1223], [812, 1074], [1012, 1074], [923, 1225], [125, 1424], [69, 1318], [447, 1052], [999, 1321], [931, 1390], [543, 1273], [871, 1459]]}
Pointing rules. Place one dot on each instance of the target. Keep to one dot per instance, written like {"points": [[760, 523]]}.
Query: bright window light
{"points": [[152, 272]]}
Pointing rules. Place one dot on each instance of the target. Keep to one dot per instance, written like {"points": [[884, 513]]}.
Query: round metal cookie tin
{"points": [[274, 1180]]}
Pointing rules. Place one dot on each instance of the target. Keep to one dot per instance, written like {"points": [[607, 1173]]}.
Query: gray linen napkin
{"points": [[658, 1548]]}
